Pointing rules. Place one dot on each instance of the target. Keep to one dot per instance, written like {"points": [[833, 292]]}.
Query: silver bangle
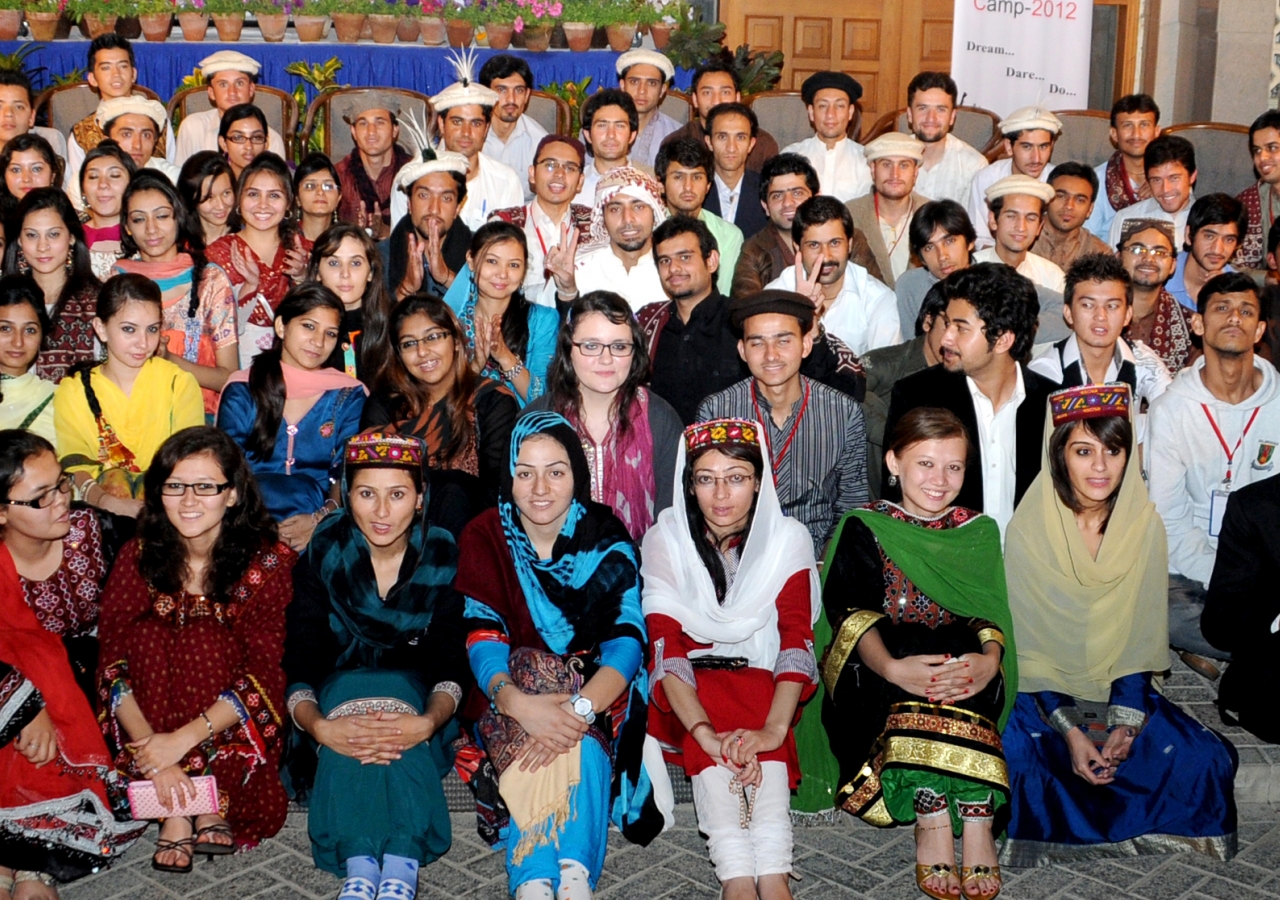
{"points": [[297, 698], [453, 689]]}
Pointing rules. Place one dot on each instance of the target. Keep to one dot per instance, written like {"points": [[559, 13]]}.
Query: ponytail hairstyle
{"points": [[80, 278], [189, 242], [274, 165], [266, 376], [708, 552], [199, 170], [515, 324], [118, 291], [16, 290], [375, 342]]}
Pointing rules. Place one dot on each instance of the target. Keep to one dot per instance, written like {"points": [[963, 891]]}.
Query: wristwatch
{"points": [[582, 706]]}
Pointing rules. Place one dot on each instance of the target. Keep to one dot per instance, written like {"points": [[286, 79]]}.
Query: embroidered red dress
{"points": [[181, 653], [255, 312], [71, 340]]}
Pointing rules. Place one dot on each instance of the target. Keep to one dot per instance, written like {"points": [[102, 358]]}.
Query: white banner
{"points": [[1006, 54]]}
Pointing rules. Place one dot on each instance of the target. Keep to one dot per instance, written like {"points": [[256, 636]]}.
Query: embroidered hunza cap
{"points": [[1089, 401], [229, 61], [720, 432], [385, 451], [109, 110]]}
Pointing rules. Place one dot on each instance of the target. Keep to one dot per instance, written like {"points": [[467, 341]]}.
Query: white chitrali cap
{"points": [[1030, 118], [1019, 184], [229, 61], [642, 57]]}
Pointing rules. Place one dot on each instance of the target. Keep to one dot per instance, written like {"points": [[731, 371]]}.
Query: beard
{"points": [[631, 246]]}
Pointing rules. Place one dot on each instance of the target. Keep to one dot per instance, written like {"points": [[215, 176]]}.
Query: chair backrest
{"points": [[1085, 138], [63, 106], [784, 115], [337, 141], [549, 111], [678, 105], [278, 106], [1223, 161]]}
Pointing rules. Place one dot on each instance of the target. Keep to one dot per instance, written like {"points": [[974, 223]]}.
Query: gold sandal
{"points": [[926, 871], [973, 873]]}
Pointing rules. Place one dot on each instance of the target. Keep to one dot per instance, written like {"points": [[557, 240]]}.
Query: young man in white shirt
{"points": [[1170, 164], [1029, 136], [513, 136], [610, 123], [735, 194], [949, 163], [231, 80], [831, 99], [647, 76], [1016, 207]]}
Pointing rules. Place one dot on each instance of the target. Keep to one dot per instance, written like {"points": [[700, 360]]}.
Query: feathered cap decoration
{"points": [[465, 91]]}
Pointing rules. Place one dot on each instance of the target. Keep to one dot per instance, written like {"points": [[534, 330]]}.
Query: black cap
{"points": [[838, 80], [787, 303]]}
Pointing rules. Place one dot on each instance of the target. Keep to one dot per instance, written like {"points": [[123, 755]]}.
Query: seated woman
{"points": [[316, 189], [104, 175], [243, 136], [26, 399], [509, 339], [557, 642], [111, 418], [427, 389], [192, 631], [730, 615], [917, 681], [59, 794], [346, 261], [207, 186], [376, 664], [629, 433], [1100, 763], [292, 412], [199, 326], [27, 162], [49, 246]]}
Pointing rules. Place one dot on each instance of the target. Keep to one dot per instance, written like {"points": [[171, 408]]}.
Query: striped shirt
{"points": [[824, 472]]}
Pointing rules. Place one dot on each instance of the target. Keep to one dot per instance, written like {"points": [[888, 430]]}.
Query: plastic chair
{"points": [[784, 115], [1223, 161], [278, 106], [62, 107], [1085, 138], [337, 141], [549, 111]]}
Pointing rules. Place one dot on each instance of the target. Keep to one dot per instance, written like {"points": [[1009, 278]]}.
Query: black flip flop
{"points": [[210, 848]]}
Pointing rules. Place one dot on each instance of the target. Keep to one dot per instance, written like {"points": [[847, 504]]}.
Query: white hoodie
{"points": [[1186, 462]]}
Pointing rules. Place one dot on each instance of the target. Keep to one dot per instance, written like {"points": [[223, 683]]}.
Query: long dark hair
{"points": [[81, 277], [266, 377], [16, 290], [311, 164], [562, 380], [246, 529], [200, 168], [1115, 433], [188, 241], [515, 324], [269, 162], [30, 141], [707, 550], [375, 306], [408, 397], [118, 291], [17, 445], [107, 148]]}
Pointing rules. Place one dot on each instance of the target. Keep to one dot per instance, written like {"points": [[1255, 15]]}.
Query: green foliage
{"points": [[17, 60], [602, 12], [695, 41], [194, 80], [75, 76], [78, 9], [324, 78], [153, 7], [575, 94], [759, 70]]}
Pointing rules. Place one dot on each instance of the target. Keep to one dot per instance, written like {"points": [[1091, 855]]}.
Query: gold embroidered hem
{"points": [[863, 797], [1028, 854], [855, 625], [966, 743]]}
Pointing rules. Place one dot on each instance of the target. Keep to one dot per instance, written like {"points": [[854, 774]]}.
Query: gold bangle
{"points": [[208, 724]]}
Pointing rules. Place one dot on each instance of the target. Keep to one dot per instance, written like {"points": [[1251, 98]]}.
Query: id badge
{"points": [[1217, 509]]}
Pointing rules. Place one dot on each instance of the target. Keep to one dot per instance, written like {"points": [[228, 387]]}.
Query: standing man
{"points": [[1135, 123], [735, 197], [884, 215], [990, 325], [429, 246], [1215, 430], [550, 217], [685, 170], [1214, 228], [609, 126], [815, 433], [716, 82], [366, 174], [787, 181], [513, 136], [231, 79], [949, 163], [1064, 238], [647, 76], [1029, 136], [849, 303], [1170, 164], [831, 99], [1016, 206], [1260, 200], [1159, 321]]}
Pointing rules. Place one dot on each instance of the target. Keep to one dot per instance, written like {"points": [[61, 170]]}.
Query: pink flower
{"points": [[556, 9], [519, 24]]}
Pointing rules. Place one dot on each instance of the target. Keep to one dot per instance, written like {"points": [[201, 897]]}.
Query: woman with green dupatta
{"points": [[921, 669]]}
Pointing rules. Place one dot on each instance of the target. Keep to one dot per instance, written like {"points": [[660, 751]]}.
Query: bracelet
{"points": [[318, 516], [514, 372], [453, 689], [697, 725], [207, 724], [493, 693]]}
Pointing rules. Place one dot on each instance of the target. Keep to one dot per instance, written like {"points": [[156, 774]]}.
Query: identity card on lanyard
{"points": [[1218, 498]]}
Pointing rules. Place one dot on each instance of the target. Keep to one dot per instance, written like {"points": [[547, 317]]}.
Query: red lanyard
{"points": [[1231, 453], [791, 436]]}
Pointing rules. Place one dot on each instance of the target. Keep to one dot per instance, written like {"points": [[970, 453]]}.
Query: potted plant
{"points": [[535, 19], [662, 18], [193, 19], [431, 23], [349, 19], [500, 21], [460, 21], [156, 18], [10, 19], [579, 19], [99, 16], [272, 17], [311, 19], [622, 18], [43, 17], [384, 21], [408, 11], [228, 17]]}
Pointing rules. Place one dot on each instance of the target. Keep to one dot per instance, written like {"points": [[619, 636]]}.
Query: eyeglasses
{"points": [[408, 345], [1143, 250], [621, 349], [200, 488], [552, 166], [735, 480], [257, 138], [326, 186], [44, 499]]}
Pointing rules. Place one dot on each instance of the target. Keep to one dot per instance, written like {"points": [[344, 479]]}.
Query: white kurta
{"points": [[1150, 209], [1040, 270], [518, 150], [495, 186], [864, 316], [843, 172], [951, 178], [977, 202], [199, 131], [601, 270]]}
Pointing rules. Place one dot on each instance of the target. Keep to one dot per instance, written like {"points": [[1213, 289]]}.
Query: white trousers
{"points": [[764, 846]]}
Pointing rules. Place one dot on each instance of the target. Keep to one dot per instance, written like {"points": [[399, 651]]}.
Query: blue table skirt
{"points": [[162, 66]]}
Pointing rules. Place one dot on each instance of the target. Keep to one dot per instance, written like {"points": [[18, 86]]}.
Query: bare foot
{"points": [[979, 847], [175, 828], [934, 845]]}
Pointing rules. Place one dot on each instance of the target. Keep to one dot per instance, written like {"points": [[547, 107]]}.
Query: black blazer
{"points": [[750, 217], [936, 386]]}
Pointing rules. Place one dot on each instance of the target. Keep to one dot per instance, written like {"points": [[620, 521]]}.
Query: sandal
{"points": [[182, 845], [212, 848], [973, 873], [925, 871]]}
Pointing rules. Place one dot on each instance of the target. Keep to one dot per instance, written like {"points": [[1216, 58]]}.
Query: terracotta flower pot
{"points": [[129, 27], [194, 25], [347, 26], [156, 26], [310, 28], [383, 28], [434, 34], [229, 26], [44, 25], [500, 35], [620, 36], [10, 24], [98, 25], [537, 37], [273, 26], [578, 35], [460, 33], [661, 32], [407, 30]]}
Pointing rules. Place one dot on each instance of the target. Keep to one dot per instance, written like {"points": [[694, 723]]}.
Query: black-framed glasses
{"points": [[200, 488], [257, 138], [621, 349], [408, 345], [44, 499]]}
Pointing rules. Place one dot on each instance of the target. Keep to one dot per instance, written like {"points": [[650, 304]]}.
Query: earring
{"points": [[71, 255], [23, 266], [893, 481]]}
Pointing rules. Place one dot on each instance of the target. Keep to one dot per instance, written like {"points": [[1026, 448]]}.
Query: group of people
{"points": [[550, 459]]}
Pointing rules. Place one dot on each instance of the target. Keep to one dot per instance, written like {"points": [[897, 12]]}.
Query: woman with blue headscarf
{"points": [[556, 640], [374, 657]]}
